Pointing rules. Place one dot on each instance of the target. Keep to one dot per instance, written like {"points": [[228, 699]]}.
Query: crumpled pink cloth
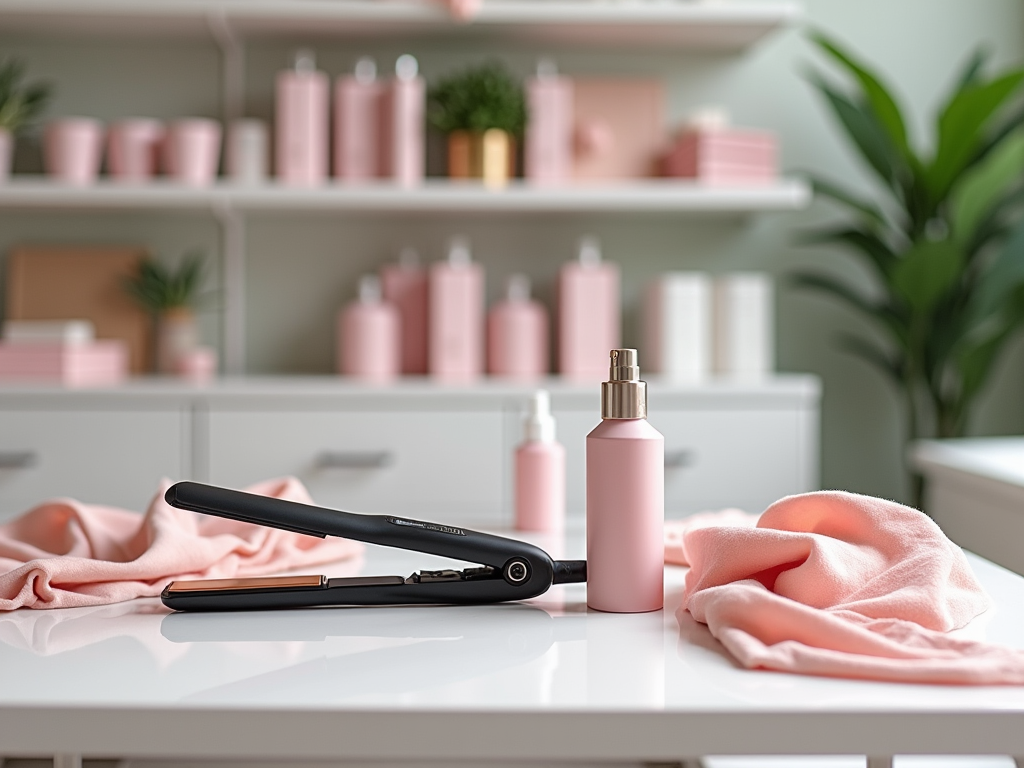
{"points": [[64, 553], [842, 585]]}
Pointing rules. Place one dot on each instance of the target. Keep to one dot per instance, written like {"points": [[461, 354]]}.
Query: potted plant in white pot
{"points": [[171, 296], [20, 104]]}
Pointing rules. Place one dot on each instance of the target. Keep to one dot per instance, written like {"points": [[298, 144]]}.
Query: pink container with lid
{"points": [[548, 154], [301, 123], [72, 149], [589, 314], [517, 334], [456, 306], [539, 465], [368, 336], [357, 123], [403, 155], [405, 288]]}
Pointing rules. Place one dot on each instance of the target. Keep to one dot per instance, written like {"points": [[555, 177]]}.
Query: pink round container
{"points": [[192, 151], [133, 147], [198, 365], [72, 148]]}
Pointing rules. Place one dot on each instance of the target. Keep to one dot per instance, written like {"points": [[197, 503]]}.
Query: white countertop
{"points": [[541, 680], [997, 458]]}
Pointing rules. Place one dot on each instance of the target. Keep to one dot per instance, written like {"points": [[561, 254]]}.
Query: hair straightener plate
{"points": [[507, 570]]}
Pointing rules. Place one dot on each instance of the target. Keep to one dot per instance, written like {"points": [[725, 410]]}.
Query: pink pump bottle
{"points": [[301, 123], [589, 313], [405, 287], [368, 335], [517, 334], [357, 100], [625, 497], [540, 471], [402, 120], [456, 305]]}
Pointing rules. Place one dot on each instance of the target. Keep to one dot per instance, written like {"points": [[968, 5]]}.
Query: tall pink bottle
{"points": [[540, 471], [403, 155], [357, 99], [547, 157], [368, 333], [589, 314], [625, 497], [456, 307], [405, 288], [517, 334], [301, 123]]}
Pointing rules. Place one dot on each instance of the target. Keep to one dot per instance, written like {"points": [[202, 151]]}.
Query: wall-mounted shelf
{"points": [[652, 196], [696, 24]]}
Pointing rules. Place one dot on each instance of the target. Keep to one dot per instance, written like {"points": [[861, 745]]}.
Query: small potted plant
{"points": [[20, 104], [482, 110], [171, 296]]}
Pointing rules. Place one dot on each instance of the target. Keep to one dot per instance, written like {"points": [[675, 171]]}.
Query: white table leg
{"points": [[67, 761], [874, 761]]}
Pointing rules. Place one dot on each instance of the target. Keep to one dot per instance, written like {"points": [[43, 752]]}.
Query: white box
{"points": [[677, 326], [744, 312]]}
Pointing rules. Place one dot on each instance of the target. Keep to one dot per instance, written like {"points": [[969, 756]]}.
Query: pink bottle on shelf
{"points": [[403, 157], [368, 336], [548, 151], [625, 497], [588, 314], [405, 288], [517, 334], [357, 115], [456, 306], [301, 123], [539, 471]]}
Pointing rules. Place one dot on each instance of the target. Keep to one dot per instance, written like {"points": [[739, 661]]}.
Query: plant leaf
{"points": [[927, 272], [878, 96], [826, 189], [878, 312], [869, 243], [972, 69], [975, 195], [865, 350], [960, 128], [1002, 277]]}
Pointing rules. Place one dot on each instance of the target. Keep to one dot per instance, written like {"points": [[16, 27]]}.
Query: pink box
{"points": [[725, 156], [99, 363]]}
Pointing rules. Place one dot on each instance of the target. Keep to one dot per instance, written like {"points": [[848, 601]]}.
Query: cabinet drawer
{"points": [[714, 459], [104, 457], [443, 465]]}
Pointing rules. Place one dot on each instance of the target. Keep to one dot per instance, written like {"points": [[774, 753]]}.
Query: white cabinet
{"points": [[441, 464], [114, 457], [416, 449]]}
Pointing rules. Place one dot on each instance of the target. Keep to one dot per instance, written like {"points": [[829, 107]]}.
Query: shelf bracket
{"points": [[232, 67], [232, 226]]}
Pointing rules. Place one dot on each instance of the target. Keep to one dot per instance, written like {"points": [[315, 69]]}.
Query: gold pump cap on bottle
{"points": [[624, 396]]}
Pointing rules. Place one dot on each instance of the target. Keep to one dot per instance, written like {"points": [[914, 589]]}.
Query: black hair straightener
{"points": [[508, 569]]}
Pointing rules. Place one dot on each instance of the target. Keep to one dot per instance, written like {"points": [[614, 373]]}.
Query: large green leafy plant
{"points": [[942, 239]]}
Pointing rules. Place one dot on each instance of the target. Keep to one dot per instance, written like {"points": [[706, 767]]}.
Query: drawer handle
{"points": [[679, 459], [355, 459], [18, 459]]}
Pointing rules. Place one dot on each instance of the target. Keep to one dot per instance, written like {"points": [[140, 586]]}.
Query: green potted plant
{"points": [[20, 104], [943, 239], [482, 110], [171, 296]]}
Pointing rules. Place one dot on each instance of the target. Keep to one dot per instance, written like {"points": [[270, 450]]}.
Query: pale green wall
{"points": [[302, 266]]}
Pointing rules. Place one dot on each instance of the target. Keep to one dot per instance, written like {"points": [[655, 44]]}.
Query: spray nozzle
{"points": [[590, 252], [539, 424], [546, 68], [406, 67], [366, 70], [458, 252], [369, 289], [304, 60], [518, 288]]}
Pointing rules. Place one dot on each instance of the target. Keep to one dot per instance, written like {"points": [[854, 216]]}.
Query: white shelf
{"points": [[653, 196], [695, 24]]}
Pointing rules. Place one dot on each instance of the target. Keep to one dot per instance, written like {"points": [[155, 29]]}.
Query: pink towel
{"points": [[837, 584], [64, 553]]}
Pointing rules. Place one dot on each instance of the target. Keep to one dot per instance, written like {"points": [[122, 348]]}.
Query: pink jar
{"points": [[192, 151], [72, 147], [133, 148]]}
